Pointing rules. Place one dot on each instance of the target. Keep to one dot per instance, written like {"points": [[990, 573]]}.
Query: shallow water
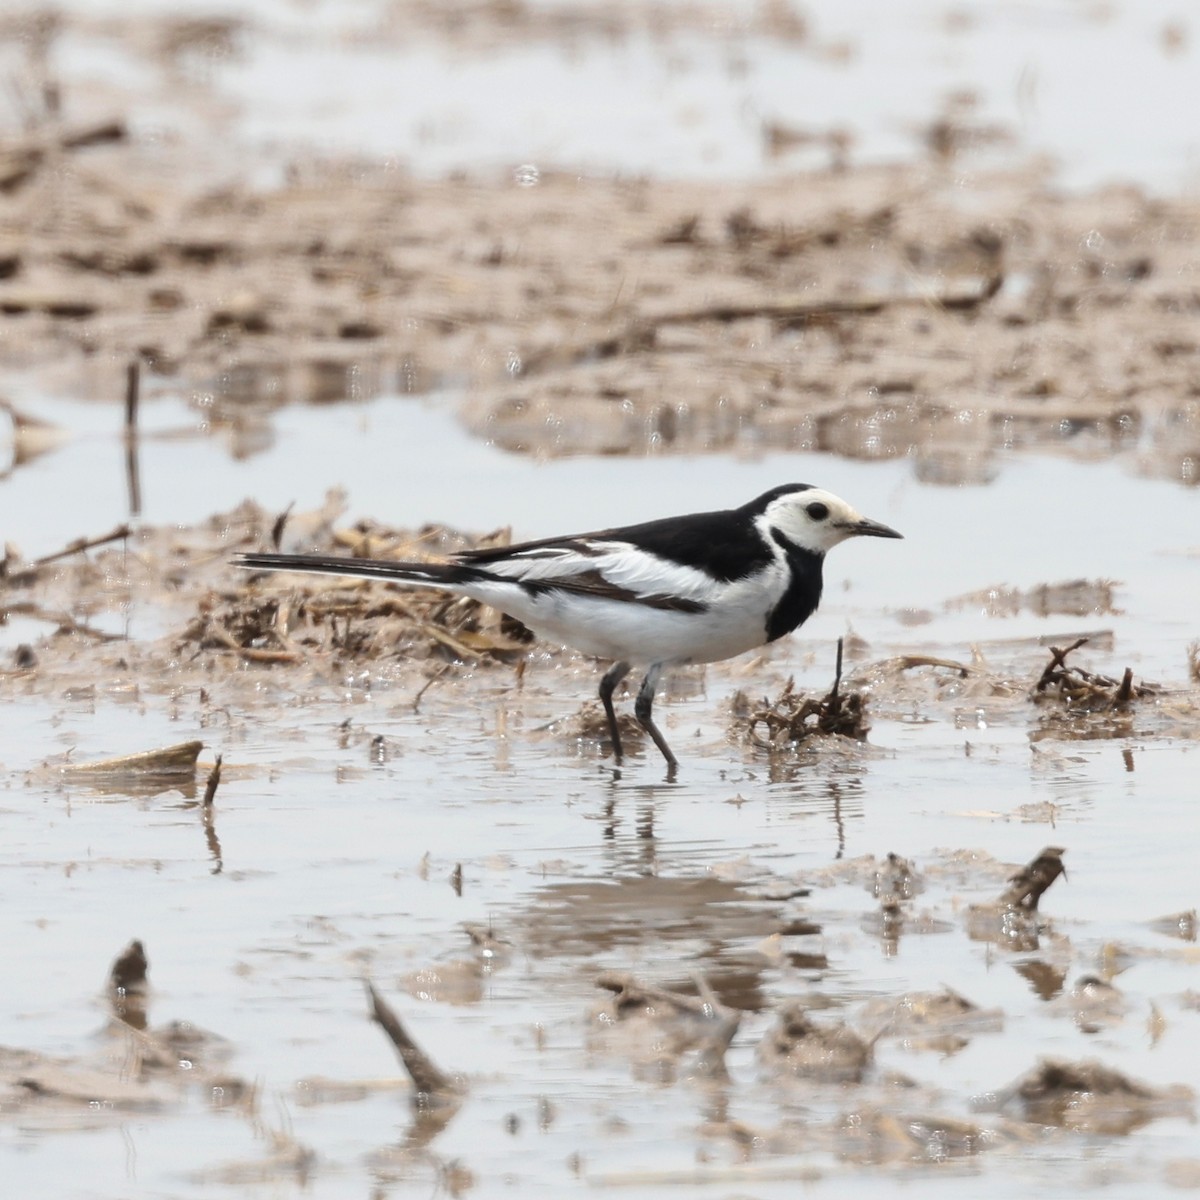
{"points": [[327, 859], [1102, 90], [330, 866], [327, 863]]}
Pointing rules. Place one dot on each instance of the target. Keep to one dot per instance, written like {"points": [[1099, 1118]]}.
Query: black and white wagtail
{"points": [[690, 589]]}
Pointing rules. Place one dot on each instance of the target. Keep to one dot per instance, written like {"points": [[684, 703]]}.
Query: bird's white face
{"points": [[817, 520]]}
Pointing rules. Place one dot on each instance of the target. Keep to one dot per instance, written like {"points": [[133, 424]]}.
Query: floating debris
{"points": [[792, 718], [127, 986], [214, 781], [1089, 705], [433, 1087], [129, 971], [943, 1021], [1030, 883], [896, 880], [872, 1135], [671, 1024], [1072, 598], [170, 763], [797, 1045], [1088, 1097], [1094, 1004], [1011, 920], [1179, 925], [61, 1080]]}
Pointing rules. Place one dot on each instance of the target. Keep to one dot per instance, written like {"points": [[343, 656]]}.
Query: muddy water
{"points": [[331, 856], [361, 825]]}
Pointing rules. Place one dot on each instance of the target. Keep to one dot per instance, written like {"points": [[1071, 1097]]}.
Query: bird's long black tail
{"points": [[450, 576]]}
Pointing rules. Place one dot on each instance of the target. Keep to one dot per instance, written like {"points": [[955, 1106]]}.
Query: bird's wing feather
{"points": [[599, 566]]}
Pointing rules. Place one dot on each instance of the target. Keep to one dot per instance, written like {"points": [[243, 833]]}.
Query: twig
{"points": [[18, 165], [63, 620], [278, 526], [79, 545], [427, 1079], [802, 308], [133, 378], [1057, 662], [227, 641], [129, 971], [906, 662], [214, 781], [439, 674]]}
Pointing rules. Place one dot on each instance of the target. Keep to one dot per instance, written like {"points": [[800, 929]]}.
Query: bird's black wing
{"points": [[724, 545]]}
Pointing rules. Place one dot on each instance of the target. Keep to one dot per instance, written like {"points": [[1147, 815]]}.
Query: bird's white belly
{"points": [[638, 633]]}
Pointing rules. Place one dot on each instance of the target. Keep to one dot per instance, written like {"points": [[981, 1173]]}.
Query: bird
{"points": [[696, 588]]}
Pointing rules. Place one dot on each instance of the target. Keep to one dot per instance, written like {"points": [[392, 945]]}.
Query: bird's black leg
{"points": [[642, 708], [608, 685]]}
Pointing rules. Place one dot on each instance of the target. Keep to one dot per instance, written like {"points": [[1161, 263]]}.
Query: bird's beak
{"points": [[864, 527]]}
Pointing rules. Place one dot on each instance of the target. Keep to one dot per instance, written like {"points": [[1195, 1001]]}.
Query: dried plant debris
{"points": [[1029, 884], [281, 618], [1180, 925], [127, 985], [1085, 704], [658, 1027], [148, 768], [590, 725], [136, 1069], [1094, 1004], [830, 1052], [1073, 598], [943, 1021], [558, 363], [896, 881], [792, 719], [433, 1087], [1011, 920], [30, 1081], [874, 1135], [462, 979], [1088, 1097]]}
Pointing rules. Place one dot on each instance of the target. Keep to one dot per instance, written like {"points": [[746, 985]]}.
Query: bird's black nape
{"points": [[759, 503]]}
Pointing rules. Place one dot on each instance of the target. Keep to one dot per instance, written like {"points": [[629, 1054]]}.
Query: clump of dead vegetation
{"points": [[1083, 703], [1072, 598], [1011, 920], [1089, 1097], [272, 618], [793, 718]]}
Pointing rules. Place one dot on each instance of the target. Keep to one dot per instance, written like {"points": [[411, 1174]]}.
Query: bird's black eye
{"points": [[817, 510]]}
